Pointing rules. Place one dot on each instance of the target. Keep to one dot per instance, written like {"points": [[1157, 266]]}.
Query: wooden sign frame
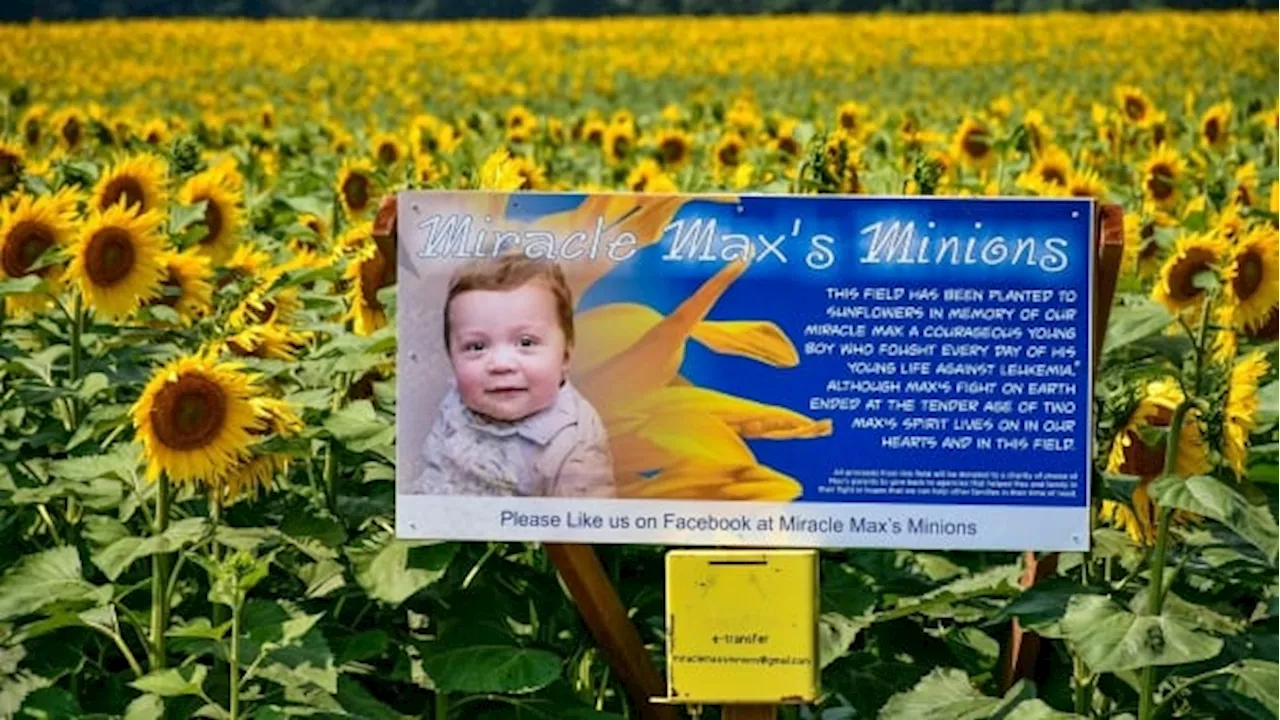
{"points": [[606, 617]]}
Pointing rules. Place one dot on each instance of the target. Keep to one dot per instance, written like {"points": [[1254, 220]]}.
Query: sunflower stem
{"points": [[234, 659], [1157, 591], [159, 580], [330, 479], [442, 706]]}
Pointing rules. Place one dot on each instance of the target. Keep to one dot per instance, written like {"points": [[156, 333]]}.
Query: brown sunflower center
{"points": [[10, 169], [976, 143], [212, 219], [124, 186], [189, 413], [620, 146], [27, 241], [153, 137], [728, 154], [595, 135], [1212, 130], [1134, 108], [673, 150], [848, 120], [262, 313], [388, 154], [788, 145], [356, 191], [1053, 174], [110, 256], [1160, 181], [1182, 276], [1248, 275], [71, 132], [31, 131]]}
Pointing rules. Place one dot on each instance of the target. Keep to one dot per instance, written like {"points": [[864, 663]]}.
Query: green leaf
{"points": [[1269, 405], [396, 569], [25, 284], [1212, 498], [837, 632], [50, 703], [144, 707], [363, 646], [114, 559], [1041, 606], [41, 579], [1256, 679], [1109, 638], [1197, 616], [182, 217], [948, 694], [173, 682], [41, 363], [492, 669], [1132, 322], [357, 701], [1039, 710], [356, 421]]}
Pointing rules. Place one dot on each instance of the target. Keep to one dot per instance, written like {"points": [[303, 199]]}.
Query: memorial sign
{"points": [[781, 371]]}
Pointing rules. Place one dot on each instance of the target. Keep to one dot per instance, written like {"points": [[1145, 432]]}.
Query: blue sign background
{"points": [[793, 295]]}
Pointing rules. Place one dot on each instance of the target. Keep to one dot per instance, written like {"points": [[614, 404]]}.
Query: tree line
{"points": [[24, 10]]}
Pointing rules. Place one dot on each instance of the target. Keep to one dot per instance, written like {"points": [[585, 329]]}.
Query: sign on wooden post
{"points": [[754, 371]]}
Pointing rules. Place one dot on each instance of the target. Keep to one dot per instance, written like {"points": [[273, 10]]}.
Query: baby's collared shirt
{"points": [[560, 451]]}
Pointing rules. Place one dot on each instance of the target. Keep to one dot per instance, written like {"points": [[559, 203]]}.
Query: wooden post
{"points": [[590, 587], [749, 712], [607, 619], [1023, 651]]}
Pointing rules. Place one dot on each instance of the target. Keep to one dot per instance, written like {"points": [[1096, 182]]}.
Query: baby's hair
{"points": [[509, 272]]}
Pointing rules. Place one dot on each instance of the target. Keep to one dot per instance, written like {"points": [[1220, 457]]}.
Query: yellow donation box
{"points": [[742, 626]]}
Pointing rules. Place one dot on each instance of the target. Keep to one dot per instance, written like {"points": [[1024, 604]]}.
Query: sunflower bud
{"points": [[184, 154]]}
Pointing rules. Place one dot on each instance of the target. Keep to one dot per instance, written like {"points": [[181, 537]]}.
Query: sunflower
{"points": [[273, 340], [1242, 408], [221, 212], [195, 419], [28, 228], [261, 308], [618, 140], [520, 124], [1141, 250], [372, 269], [1134, 105], [31, 126], [356, 187], [117, 260], [1086, 182], [12, 161], [1194, 254], [1252, 277], [155, 132], [315, 224], [69, 127], [647, 176], [727, 154], [187, 286], [1036, 131], [841, 164], [973, 144], [1245, 190], [388, 151], [1049, 174], [593, 132], [674, 147], [1161, 175], [849, 117], [1131, 455], [138, 182], [427, 170], [1215, 125], [784, 140]]}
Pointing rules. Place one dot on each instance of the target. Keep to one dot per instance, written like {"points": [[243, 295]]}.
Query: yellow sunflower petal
{"points": [[756, 339], [748, 418]]}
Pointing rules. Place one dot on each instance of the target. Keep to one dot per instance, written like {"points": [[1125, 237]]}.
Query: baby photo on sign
{"points": [[510, 423]]}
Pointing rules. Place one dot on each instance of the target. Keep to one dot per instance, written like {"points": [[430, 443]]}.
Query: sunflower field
{"points": [[197, 376]]}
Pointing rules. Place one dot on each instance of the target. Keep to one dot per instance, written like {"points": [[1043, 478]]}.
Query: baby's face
{"points": [[508, 351]]}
